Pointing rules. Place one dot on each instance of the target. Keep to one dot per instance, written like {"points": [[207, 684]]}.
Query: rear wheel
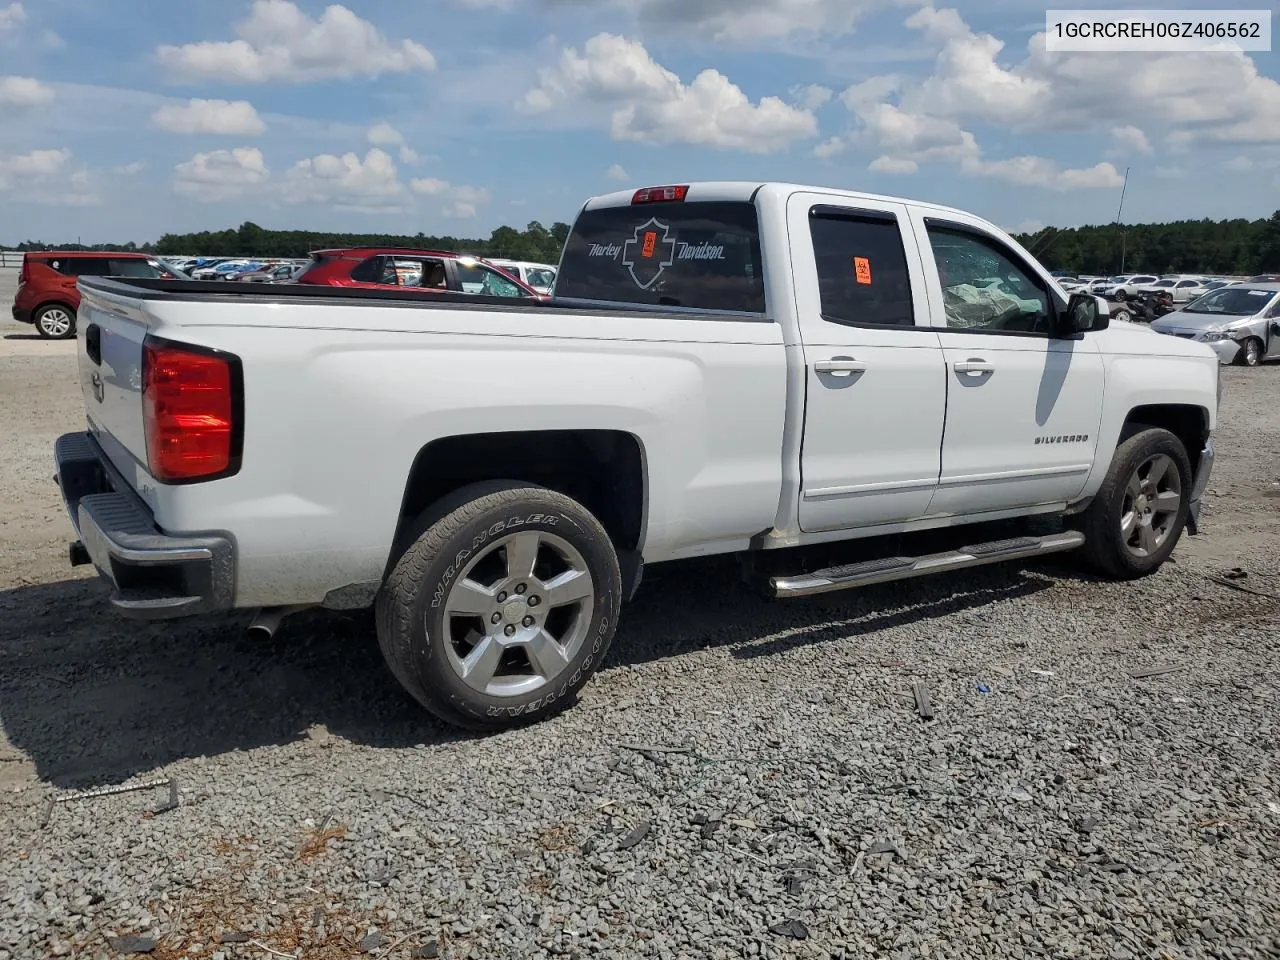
{"points": [[1138, 514], [500, 611], [55, 322]]}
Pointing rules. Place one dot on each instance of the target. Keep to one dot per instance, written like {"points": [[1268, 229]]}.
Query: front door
{"points": [[875, 383], [1023, 407]]}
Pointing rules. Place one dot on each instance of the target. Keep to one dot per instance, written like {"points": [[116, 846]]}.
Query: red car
{"points": [[47, 294], [378, 268]]}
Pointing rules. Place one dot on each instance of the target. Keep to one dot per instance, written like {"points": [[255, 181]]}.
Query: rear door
{"points": [[874, 377]]}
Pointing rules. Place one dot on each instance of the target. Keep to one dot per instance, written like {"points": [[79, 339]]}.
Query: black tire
{"points": [[1123, 314], [1250, 352], [43, 314], [1101, 522], [422, 645]]}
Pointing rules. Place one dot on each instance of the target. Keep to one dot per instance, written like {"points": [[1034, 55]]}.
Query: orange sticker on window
{"points": [[862, 269], [650, 241]]}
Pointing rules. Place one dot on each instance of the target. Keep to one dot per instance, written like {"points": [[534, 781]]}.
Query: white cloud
{"points": [[1029, 171], [371, 184], [910, 123], [649, 103], [221, 174], [1129, 139], [831, 147], [461, 201], [1170, 173], [1243, 164], [810, 96], [130, 169], [279, 41], [617, 172], [12, 17], [1206, 97], [41, 176], [24, 92], [746, 21], [1026, 226], [385, 135], [38, 165], [229, 118], [895, 165]]}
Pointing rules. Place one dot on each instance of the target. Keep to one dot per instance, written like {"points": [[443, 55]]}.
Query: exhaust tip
{"points": [[267, 621]]}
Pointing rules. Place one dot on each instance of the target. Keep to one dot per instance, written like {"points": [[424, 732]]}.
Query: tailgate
{"points": [[110, 331]]}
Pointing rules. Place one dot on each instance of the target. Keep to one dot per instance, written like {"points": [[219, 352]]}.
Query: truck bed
{"points": [[224, 291], [344, 396]]}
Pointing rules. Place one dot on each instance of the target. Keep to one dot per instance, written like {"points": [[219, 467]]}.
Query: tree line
{"points": [[536, 242], [1229, 247], [1183, 246]]}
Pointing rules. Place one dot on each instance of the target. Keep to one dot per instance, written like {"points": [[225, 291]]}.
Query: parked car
{"points": [[540, 276], [1182, 289], [47, 296], [280, 273], [430, 271], [1119, 288], [1241, 323], [759, 369]]}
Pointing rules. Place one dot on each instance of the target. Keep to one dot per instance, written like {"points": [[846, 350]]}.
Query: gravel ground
{"points": [[1056, 805]]}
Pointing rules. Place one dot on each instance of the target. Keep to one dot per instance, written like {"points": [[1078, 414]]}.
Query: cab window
{"points": [[984, 288]]}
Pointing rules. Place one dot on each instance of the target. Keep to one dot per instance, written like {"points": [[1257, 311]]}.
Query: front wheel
{"points": [[1139, 512], [1250, 352], [55, 322], [500, 611], [1122, 314]]}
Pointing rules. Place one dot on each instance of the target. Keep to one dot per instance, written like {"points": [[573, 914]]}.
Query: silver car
{"points": [[1241, 323]]}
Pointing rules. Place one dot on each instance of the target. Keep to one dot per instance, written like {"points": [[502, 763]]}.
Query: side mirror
{"points": [[1085, 313]]}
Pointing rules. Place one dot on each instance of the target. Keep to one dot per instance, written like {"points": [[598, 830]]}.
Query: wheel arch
{"points": [[604, 470], [1187, 421]]}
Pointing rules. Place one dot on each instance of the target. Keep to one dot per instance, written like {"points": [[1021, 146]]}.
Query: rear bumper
{"points": [[21, 314], [154, 576], [1203, 470]]}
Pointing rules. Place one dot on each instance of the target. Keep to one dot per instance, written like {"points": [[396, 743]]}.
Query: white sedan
{"points": [[1182, 289]]}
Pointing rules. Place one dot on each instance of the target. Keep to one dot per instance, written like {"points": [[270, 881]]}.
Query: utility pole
{"points": [[1123, 188]]}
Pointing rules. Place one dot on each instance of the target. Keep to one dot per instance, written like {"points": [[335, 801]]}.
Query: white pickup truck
{"points": [[726, 368]]}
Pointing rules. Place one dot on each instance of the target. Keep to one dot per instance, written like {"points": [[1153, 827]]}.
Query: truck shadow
{"points": [[91, 698]]}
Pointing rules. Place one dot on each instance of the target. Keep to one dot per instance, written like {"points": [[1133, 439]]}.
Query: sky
{"points": [[129, 119]]}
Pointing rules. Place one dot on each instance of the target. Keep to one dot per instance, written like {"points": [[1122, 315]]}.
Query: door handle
{"points": [[841, 367], [973, 367]]}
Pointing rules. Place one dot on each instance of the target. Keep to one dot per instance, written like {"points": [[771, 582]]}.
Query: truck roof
{"points": [[746, 190]]}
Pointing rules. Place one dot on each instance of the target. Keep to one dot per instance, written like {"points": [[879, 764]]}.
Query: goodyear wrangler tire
{"points": [[498, 613]]}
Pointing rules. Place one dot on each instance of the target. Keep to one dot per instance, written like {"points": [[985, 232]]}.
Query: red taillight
{"points": [[191, 405], [23, 276], [659, 194]]}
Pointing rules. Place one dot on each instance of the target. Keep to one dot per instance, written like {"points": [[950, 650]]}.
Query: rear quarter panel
{"points": [[341, 398]]}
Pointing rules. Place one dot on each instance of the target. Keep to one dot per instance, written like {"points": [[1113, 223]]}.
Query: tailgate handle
{"points": [[93, 343]]}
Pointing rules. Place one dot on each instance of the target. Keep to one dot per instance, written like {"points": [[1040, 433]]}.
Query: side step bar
{"points": [[904, 568]]}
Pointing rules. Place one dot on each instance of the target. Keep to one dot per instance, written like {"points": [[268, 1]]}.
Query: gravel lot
{"points": [[1056, 806]]}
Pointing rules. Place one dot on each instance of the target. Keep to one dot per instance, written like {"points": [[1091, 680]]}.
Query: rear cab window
{"points": [[703, 255]]}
